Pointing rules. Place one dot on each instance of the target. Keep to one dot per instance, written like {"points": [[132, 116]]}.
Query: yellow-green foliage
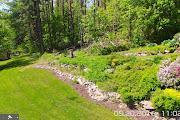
{"points": [[137, 79], [173, 93], [114, 62], [166, 100]]}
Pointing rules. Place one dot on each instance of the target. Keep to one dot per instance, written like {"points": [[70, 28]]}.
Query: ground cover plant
{"points": [[166, 100]]}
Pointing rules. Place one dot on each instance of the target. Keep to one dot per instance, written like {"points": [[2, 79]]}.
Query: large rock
{"points": [[109, 71], [146, 105], [177, 50]]}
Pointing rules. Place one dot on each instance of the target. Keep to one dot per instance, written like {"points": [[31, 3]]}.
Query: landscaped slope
{"points": [[37, 94], [132, 74]]}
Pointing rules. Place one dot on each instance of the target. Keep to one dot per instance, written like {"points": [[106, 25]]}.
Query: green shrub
{"points": [[177, 36], [137, 78], [166, 100], [157, 59], [108, 50], [151, 44], [139, 41], [137, 87], [96, 76], [107, 47], [109, 85], [104, 51], [35, 55], [171, 43], [153, 50], [95, 64]]}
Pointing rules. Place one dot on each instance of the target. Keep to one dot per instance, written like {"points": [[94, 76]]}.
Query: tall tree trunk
{"points": [[94, 11], [85, 6], [104, 4], [38, 27], [82, 7], [83, 12], [94, 15], [52, 29], [71, 24], [130, 26], [49, 28], [52, 7], [63, 15]]}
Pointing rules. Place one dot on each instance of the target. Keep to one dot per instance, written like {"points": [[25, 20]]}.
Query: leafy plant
{"points": [[166, 100], [107, 47], [172, 43], [169, 74]]}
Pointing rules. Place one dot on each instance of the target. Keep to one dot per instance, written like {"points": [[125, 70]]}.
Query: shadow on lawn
{"points": [[16, 63]]}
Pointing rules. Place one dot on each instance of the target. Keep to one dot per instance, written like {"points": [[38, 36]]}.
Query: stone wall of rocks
{"points": [[146, 53], [93, 91]]}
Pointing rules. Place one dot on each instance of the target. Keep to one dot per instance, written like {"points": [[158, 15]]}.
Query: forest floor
{"points": [[37, 94]]}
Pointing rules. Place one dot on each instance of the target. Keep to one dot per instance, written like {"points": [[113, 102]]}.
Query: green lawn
{"points": [[38, 95]]}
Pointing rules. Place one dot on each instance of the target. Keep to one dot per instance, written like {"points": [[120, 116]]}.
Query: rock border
{"points": [[94, 92], [111, 100]]}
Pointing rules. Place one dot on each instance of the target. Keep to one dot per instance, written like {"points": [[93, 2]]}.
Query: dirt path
{"points": [[119, 108]]}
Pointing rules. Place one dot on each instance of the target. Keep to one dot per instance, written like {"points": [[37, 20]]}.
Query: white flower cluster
{"points": [[169, 73]]}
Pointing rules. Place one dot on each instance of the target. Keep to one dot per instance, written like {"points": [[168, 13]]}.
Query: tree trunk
{"points": [[38, 27], [85, 7], [52, 7], [63, 16], [71, 24], [104, 4], [130, 26]]}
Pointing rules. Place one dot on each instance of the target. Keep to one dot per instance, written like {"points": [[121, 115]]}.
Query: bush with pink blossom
{"points": [[169, 73]]}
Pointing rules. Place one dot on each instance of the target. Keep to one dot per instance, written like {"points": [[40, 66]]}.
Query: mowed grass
{"points": [[38, 95]]}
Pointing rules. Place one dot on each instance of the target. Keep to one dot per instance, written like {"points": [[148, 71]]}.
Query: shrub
{"points": [[177, 36], [139, 41], [151, 44], [35, 55], [166, 100], [171, 43], [169, 73], [96, 65], [157, 59], [153, 50], [137, 79], [113, 61], [96, 76], [107, 47], [109, 85], [165, 42]]}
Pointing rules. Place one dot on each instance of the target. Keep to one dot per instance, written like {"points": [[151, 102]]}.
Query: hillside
{"points": [[133, 76]]}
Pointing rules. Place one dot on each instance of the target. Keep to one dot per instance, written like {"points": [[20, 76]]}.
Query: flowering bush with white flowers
{"points": [[169, 73]]}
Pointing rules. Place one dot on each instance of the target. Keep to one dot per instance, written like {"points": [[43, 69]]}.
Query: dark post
{"points": [[71, 51]]}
